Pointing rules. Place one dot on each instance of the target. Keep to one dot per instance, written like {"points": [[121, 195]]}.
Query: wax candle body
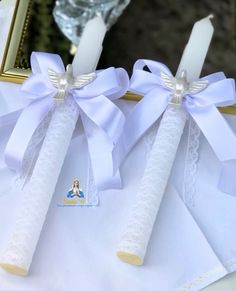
{"points": [[136, 236], [38, 193]]}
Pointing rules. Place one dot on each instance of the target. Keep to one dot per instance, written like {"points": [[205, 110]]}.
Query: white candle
{"points": [[90, 47], [38, 192], [134, 242], [196, 49]]}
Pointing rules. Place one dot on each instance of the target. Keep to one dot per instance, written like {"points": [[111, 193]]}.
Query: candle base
{"points": [[13, 269], [129, 258]]}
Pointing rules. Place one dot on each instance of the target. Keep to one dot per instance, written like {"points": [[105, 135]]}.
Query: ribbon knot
{"points": [[200, 98], [93, 94]]}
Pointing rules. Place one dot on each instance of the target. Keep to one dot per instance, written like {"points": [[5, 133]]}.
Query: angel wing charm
{"points": [[181, 87], [83, 80], [197, 86], [66, 81], [169, 81]]}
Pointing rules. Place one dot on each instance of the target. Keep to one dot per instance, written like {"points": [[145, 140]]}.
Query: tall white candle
{"points": [[134, 242], [196, 49], [38, 193], [90, 47]]}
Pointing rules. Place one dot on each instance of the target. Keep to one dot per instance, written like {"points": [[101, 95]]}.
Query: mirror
{"points": [[23, 32], [157, 30], [13, 15]]}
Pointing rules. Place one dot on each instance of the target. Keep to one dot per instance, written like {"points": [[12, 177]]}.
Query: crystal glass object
{"points": [[72, 15]]}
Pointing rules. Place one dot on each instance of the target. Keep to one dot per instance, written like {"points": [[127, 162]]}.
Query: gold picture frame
{"points": [[16, 30], [18, 14]]}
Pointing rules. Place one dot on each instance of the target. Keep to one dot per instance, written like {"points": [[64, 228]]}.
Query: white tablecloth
{"points": [[189, 249]]}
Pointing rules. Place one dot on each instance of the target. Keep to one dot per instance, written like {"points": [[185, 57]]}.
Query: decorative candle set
{"points": [[181, 97], [83, 92], [67, 95], [135, 239]]}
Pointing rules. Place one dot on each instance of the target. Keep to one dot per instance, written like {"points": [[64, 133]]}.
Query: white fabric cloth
{"points": [[189, 248]]}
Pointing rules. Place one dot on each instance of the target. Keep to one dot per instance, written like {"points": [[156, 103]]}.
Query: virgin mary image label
{"points": [[75, 195]]}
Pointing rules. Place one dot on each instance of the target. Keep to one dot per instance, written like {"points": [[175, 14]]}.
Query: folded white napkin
{"points": [[191, 246]]}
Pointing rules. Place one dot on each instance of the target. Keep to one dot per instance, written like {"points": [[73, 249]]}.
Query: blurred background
{"points": [[152, 29]]}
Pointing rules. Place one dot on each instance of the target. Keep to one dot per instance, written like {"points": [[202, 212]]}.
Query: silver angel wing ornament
{"points": [[59, 81], [181, 87], [169, 81], [66, 81], [83, 80], [55, 78], [197, 86]]}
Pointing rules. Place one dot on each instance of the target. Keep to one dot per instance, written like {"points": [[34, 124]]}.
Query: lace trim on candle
{"points": [[149, 139], [32, 152], [35, 144], [191, 159], [92, 192], [143, 214], [38, 192]]}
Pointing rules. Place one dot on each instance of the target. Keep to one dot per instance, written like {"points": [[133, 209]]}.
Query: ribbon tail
{"points": [[227, 182], [104, 113], [223, 142], [26, 125], [10, 118], [100, 149], [41, 62], [217, 132], [142, 117]]}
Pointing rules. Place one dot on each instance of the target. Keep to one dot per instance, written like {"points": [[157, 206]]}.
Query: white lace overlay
{"points": [[149, 139], [140, 224], [190, 168], [91, 190], [32, 152], [38, 192]]}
